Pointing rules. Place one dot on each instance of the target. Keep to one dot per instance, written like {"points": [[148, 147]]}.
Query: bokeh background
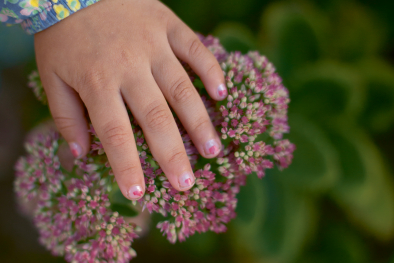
{"points": [[336, 201]]}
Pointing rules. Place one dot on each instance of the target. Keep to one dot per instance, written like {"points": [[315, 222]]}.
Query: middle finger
{"points": [[153, 114]]}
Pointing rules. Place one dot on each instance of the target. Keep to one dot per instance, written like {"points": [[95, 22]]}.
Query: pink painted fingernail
{"points": [[135, 192], [222, 91], [212, 147], [76, 149], [186, 180]]}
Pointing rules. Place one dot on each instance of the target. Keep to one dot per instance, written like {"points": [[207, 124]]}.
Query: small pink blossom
{"points": [[3, 18]]}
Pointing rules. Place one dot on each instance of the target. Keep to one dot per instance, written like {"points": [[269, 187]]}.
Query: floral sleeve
{"points": [[36, 15]]}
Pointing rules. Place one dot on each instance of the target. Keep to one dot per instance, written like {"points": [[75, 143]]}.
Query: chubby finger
{"points": [[188, 47], [186, 102], [152, 113], [110, 120], [68, 113]]}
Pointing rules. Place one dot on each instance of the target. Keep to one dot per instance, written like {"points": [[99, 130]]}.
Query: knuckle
{"points": [[130, 169], [64, 123], [163, 14], [195, 48], [129, 61], [158, 117], [181, 91], [125, 59], [148, 37], [176, 157], [213, 68], [91, 79], [115, 135], [201, 124]]}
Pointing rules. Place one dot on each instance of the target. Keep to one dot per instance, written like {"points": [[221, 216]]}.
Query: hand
{"points": [[125, 51]]}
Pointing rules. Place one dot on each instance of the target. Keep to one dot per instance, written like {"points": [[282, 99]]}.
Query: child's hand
{"points": [[126, 51]]}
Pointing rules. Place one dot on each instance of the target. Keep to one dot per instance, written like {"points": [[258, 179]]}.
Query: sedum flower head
{"points": [[73, 210], [36, 85]]}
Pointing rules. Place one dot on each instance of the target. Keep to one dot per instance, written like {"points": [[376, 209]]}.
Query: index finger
{"points": [[188, 47]]}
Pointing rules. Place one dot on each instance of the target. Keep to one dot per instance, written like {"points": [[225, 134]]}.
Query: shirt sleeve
{"points": [[37, 15]]}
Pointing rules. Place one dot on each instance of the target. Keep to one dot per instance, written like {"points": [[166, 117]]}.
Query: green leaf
{"points": [[202, 244], [277, 228], [121, 204], [327, 89], [365, 190], [315, 167], [233, 8], [378, 113], [337, 244], [117, 197], [199, 15], [124, 210], [290, 35], [252, 203], [235, 37], [355, 32]]}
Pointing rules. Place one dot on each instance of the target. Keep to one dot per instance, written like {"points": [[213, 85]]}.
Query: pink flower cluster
{"points": [[36, 85], [73, 211]]}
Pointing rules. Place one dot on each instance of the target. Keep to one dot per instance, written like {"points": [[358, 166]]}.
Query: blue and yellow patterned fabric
{"points": [[37, 15]]}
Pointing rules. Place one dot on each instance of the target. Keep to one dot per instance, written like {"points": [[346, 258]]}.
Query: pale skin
{"points": [[126, 51]]}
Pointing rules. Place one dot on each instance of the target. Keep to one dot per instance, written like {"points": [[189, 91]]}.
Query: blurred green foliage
{"points": [[331, 57], [335, 203]]}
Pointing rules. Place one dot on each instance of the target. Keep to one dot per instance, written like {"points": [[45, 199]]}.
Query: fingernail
{"points": [[212, 147], [186, 180], [222, 91], [76, 149], [135, 192]]}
